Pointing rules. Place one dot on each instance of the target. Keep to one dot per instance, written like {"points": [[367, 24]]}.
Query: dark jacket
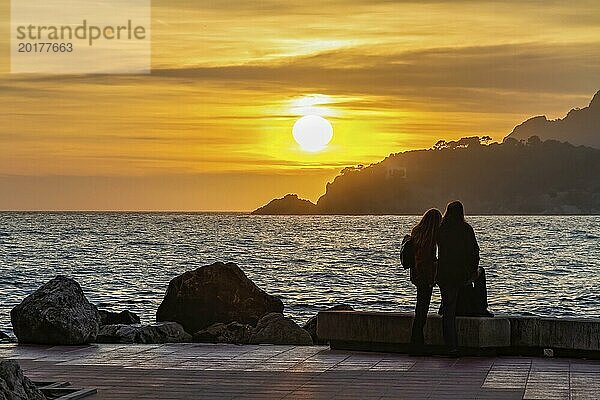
{"points": [[458, 254], [424, 271]]}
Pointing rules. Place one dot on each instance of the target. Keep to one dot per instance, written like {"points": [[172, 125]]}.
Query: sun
{"points": [[312, 133]]}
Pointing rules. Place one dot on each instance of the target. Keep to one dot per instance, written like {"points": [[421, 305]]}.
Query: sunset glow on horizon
{"points": [[211, 128]]}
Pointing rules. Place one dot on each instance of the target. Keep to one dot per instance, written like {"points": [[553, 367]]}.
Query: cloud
{"points": [[452, 78]]}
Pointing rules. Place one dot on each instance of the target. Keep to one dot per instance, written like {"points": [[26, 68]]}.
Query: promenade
{"points": [[204, 371]]}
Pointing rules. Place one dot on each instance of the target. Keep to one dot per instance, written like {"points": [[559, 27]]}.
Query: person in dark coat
{"points": [[458, 266], [423, 274]]}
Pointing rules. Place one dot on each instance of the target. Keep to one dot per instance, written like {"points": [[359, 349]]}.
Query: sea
{"points": [[536, 265]]}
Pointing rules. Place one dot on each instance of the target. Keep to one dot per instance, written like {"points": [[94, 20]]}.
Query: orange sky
{"points": [[210, 128]]}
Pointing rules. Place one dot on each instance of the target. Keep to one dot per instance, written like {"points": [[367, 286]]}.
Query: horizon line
{"points": [[274, 215]]}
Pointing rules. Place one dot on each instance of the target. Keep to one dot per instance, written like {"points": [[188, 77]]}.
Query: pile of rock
{"points": [[113, 318], [220, 304], [273, 328], [216, 303], [165, 332], [125, 327], [215, 293]]}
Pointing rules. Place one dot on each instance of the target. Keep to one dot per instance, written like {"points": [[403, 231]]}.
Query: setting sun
{"points": [[312, 132]]}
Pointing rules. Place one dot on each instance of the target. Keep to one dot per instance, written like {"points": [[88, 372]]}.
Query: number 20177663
{"points": [[43, 47]]}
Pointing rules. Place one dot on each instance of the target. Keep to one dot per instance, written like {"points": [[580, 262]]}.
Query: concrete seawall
{"points": [[380, 331]]}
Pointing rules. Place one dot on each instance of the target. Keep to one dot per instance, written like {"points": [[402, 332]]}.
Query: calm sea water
{"points": [[548, 266]]}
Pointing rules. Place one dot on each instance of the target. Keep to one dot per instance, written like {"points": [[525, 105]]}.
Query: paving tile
{"points": [[507, 376], [547, 385], [217, 371], [387, 365]]}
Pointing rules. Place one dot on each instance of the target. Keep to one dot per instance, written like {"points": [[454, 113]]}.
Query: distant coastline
{"points": [[512, 178], [534, 171]]}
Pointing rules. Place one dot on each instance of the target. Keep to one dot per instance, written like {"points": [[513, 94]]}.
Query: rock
{"points": [[5, 338], [118, 333], [56, 313], [14, 385], [311, 324], [234, 332], [274, 328], [215, 293], [290, 204], [112, 318], [163, 332]]}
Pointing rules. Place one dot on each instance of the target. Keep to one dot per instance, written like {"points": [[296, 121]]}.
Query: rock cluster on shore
{"points": [[162, 332], [220, 304], [215, 293], [233, 332], [273, 328], [125, 317], [215, 303]]}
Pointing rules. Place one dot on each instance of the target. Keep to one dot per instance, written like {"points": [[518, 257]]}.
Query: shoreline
{"points": [[9, 329], [502, 335]]}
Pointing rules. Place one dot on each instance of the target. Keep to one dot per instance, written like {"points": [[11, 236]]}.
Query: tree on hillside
{"points": [[485, 140]]}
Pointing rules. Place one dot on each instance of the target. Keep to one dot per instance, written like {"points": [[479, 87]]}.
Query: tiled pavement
{"points": [[199, 371]]}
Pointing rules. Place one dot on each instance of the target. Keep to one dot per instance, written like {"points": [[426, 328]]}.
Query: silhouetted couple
{"points": [[455, 270]]}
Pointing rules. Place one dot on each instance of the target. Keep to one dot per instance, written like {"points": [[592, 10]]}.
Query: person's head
{"points": [[425, 232], [455, 213]]}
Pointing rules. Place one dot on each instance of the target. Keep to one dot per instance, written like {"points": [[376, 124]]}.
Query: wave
{"points": [[146, 243]]}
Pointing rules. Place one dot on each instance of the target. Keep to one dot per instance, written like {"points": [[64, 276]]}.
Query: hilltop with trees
{"points": [[517, 176], [579, 126]]}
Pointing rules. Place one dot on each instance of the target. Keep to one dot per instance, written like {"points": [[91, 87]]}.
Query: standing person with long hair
{"points": [[423, 273], [458, 254]]}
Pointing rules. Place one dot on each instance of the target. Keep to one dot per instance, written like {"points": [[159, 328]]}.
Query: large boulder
{"points": [[274, 328], [113, 318], [14, 385], [163, 332], [311, 324], [215, 293], [233, 332], [57, 313]]}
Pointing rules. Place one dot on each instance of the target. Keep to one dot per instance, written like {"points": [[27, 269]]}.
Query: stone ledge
{"points": [[395, 329], [382, 331], [555, 333]]}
